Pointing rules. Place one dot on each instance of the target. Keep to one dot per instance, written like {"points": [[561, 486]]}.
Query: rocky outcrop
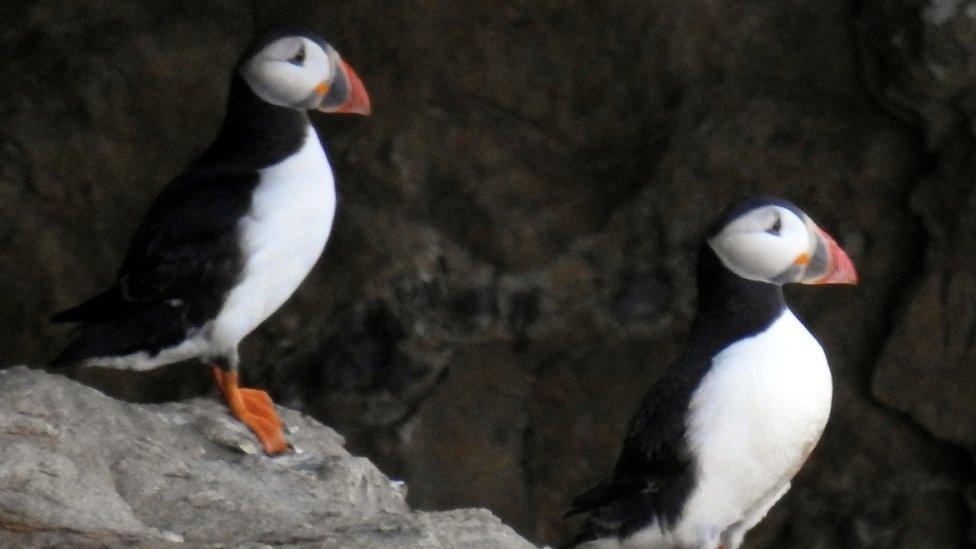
{"points": [[78, 468]]}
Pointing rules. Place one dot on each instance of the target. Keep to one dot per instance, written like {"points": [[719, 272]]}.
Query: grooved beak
{"points": [[358, 100], [840, 268]]}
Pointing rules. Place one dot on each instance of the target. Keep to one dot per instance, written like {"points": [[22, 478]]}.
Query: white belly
{"points": [[282, 238], [752, 423]]}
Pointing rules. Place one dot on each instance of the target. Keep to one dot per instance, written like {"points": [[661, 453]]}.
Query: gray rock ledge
{"points": [[80, 469]]}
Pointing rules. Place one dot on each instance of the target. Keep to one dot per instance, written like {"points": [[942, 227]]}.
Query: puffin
{"points": [[717, 439], [229, 240]]}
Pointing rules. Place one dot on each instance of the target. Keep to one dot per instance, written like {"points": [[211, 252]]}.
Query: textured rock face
{"points": [[79, 467], [511, 265], [928, 368]]}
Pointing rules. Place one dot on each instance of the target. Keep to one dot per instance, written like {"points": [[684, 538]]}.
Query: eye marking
{"points": [[298, 58], [776, 227]]}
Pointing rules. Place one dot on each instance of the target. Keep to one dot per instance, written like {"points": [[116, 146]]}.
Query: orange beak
{"points": [[358, 101], [840, 268]]}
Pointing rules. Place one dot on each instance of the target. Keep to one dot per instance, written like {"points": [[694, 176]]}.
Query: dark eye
{"points": [[776, 227], [298, 58]]}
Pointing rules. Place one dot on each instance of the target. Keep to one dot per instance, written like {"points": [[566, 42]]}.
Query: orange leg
{"points": [[254, 409]]}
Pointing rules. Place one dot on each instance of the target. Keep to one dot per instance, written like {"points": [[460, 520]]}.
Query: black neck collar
{"points": [[254, 132], [730, 307]]}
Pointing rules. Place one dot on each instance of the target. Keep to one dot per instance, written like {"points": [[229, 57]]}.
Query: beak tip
{"points": [[842, 269], [366, 109]]}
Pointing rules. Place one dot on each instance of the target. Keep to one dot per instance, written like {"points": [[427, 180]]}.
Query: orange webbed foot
{"points": [[259, 404], [253, 408]]}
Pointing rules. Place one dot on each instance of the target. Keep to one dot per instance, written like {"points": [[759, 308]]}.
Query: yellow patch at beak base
{"points": [[802, 259], [322, 89]]}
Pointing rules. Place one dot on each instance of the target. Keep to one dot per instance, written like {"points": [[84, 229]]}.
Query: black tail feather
{"points": [[604, 493], [106, 306], [151, 328]]}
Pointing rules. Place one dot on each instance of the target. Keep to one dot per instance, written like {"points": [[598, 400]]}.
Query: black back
{"points": [[655, 472], [185, 255], [187, 247]]}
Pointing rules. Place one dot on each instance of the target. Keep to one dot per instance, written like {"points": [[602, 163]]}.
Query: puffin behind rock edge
{"points": [[716, 441], [228, 241]]}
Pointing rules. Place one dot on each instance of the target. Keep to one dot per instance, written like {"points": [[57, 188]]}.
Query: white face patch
{"points": [[287, 72], [763, 243]]}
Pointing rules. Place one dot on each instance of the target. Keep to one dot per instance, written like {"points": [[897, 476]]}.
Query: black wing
{"points": [[654, 474], [185, 249]]}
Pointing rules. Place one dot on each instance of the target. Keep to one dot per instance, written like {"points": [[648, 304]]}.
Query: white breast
{"points": [[282, 238], [752, 423]]}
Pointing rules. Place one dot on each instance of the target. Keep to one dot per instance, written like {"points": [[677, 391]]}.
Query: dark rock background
{"points": [[511, 266]]}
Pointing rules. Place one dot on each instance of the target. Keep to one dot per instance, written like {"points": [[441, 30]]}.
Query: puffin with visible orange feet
{"points": [[716, 441], [230, 239]]}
